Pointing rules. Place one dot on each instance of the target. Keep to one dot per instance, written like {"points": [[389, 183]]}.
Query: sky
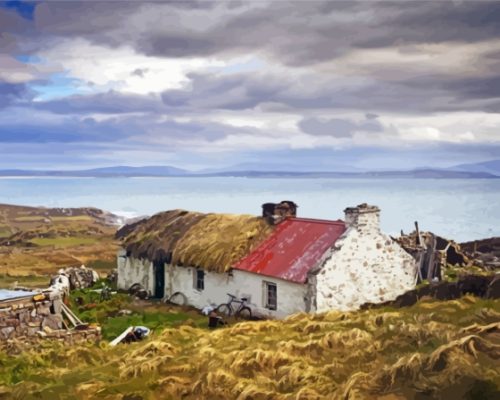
{"points": [[305, 86]]}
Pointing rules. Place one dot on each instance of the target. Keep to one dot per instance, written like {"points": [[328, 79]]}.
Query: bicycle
{"points": [[227, 309]]}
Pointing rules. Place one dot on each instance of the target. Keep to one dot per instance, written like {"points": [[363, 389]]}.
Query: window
{"points": [[199, 279], [270, 296]]}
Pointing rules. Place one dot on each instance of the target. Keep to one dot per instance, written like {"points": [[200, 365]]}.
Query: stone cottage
{"points": [[283, 264]]}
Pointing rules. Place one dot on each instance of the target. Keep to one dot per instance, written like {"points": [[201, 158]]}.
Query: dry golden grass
{"points": [[440, 349]]}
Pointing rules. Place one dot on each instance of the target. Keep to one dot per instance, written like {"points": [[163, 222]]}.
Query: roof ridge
{"points": [[317, 220]]}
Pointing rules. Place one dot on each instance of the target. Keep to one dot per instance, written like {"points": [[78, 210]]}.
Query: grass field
{"points": [[433, 350], [36, 242]]}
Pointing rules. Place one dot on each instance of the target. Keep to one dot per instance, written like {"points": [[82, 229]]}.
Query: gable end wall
{"points": [[367, 267]]}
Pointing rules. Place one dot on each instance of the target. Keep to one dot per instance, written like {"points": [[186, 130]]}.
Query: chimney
{"points": [[364, 218], [274, 213]]}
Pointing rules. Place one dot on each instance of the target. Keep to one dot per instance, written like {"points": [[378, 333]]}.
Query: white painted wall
{"points": [[132, 270], [366, 266], [239, 283], [290, 296]]}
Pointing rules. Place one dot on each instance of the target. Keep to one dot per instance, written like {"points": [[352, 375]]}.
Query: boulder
{"points": [[476, 285]]}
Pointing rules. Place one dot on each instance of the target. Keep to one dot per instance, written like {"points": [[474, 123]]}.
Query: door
{"points": [[159, 270]]}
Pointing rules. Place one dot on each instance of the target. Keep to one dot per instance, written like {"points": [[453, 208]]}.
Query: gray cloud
{"points": [[277, 92], [313, 62], [336, 127], [298, 33], [12, 93], [111, 102]]}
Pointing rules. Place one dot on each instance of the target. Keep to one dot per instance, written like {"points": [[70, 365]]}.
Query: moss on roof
{"points": [[214, 242]]}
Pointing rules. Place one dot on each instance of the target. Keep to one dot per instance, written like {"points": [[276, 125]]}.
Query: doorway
{"points": [[159, 273]]}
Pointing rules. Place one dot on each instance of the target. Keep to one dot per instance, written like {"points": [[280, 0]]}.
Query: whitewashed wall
{"points": [[290, 295], [366, 267], [132, 270], [239, 283]]}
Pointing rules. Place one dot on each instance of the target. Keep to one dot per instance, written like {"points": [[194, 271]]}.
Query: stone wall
{"points": [[366, 266], [32, 317]]}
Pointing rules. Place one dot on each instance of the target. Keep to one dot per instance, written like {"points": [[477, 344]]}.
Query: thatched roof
{"points": [[214, 242]]}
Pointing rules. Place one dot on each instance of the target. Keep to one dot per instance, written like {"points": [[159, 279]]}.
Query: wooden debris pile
{"points": [[432, 252], [484, 252]]}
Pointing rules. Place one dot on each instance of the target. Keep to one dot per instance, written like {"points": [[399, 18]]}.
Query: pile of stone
{"points": [[74, 278]]}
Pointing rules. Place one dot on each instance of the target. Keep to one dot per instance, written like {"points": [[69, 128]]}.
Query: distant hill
{"points": [[118, 171], [418, 174], [491, 167], [168, 171]]}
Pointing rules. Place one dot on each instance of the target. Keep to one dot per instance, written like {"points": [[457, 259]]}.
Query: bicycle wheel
{"points": [[178, 299], [224, 309], [244, 313]]}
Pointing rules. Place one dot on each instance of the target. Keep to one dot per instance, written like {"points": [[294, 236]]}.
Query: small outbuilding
{"points": [[281, 263]]}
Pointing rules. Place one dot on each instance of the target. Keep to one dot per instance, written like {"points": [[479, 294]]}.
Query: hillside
{"points": [[433, 350], [35, 242], [491, 167]]}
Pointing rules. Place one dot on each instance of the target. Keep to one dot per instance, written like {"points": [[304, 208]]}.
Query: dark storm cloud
{"points": [[298, 33], [232, 92], [276, 92]]}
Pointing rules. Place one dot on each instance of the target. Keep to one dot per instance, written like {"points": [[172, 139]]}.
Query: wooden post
{"points": [[430, 257], [418, 233]]}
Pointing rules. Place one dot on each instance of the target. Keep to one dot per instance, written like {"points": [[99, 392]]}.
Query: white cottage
{"points": [[281, 263]]}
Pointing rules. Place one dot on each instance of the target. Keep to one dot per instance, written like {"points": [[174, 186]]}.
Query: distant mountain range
{"points": [[490, 167], [488, 170]]}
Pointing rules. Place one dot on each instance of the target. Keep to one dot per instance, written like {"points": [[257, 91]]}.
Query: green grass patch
{"points": [[72, 218], [5, 232], [156, 316], [64, 241], [103, 265], [30, 218], [30, 281]]}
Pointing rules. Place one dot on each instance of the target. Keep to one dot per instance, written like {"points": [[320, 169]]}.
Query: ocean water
{"points": [[461, 209]]}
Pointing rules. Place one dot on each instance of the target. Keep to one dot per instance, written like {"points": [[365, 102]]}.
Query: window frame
{"points": [[199, 280], [267, 297]]}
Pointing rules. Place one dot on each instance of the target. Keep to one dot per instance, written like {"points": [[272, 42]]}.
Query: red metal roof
{"points": [[293, 249]]}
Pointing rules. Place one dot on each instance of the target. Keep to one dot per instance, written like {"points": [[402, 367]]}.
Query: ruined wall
{"points": [[366, 266], [26, 320], [25, 317], [133, 270]]}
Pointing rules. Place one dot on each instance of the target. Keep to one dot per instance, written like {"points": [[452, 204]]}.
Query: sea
{"points": [[459, 209]]}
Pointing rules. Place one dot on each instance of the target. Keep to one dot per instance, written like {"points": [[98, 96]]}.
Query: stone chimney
{"points": [[275, 213], [364, 218]]}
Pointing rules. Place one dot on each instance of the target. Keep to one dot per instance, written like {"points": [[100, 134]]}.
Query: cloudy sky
{"points": [[306, 85]]}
